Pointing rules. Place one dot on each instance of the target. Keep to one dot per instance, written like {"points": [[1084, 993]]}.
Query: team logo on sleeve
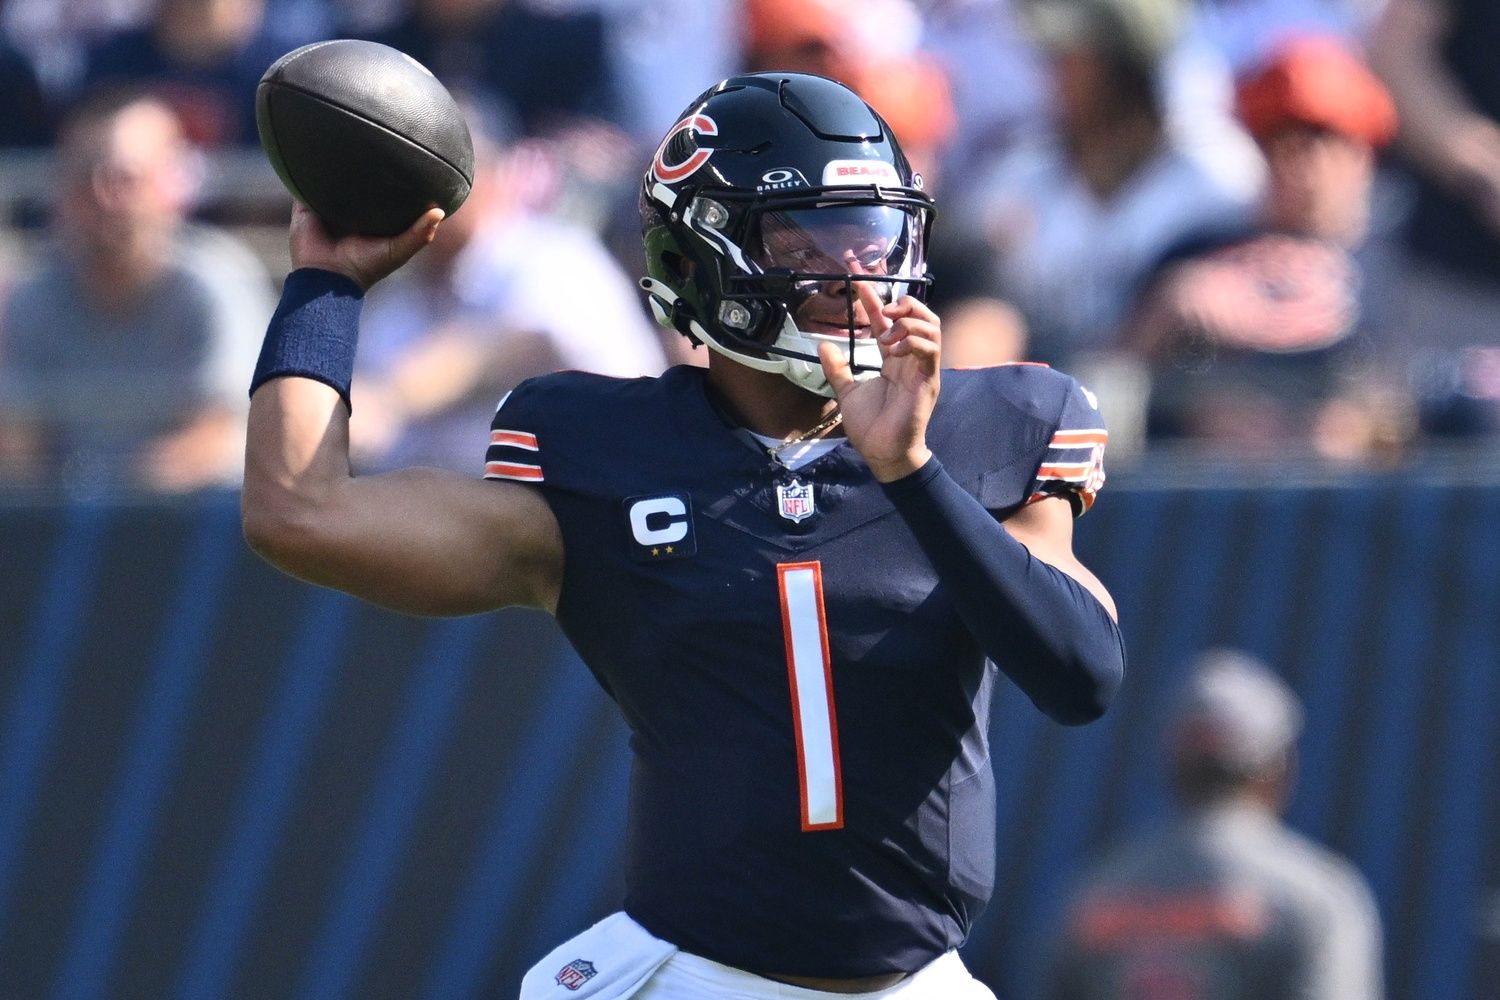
{"points": [[575, 974], [661, 527]]}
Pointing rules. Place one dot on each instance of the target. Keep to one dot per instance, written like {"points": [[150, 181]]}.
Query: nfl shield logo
{"points": [[576, 973], [795, 500]]}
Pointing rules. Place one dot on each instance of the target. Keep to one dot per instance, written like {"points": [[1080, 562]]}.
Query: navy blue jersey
{"points": [[811, 791]]}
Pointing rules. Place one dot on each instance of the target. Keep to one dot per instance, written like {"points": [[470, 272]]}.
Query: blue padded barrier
{"points": [[219, 782]]}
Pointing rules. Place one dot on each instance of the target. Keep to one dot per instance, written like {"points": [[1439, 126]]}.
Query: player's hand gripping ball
{"points": [[363, 135]]}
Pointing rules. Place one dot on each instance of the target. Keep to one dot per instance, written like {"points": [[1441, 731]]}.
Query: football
{"points": [[363, 135]]}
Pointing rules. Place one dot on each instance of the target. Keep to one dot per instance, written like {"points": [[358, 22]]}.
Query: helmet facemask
{"points": [[784, 274]]}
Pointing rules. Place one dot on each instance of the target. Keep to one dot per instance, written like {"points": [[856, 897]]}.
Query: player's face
{"points": [[837, 244]]}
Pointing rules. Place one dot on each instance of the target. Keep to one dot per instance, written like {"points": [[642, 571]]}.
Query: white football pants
{"points": [[618, 959]]}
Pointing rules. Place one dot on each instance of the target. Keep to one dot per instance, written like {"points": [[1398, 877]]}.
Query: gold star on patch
{"points": [[656, 552], [669, 550]]}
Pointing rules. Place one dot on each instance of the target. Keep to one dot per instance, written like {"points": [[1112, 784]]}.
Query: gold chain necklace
{"points": [[818, 430]]}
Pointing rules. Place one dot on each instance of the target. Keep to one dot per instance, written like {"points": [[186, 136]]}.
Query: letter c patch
{"points": [[661, 527]]}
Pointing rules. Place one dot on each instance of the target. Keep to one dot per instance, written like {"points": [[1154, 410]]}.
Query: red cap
{"points": [[1317, 81], [776, 24]]}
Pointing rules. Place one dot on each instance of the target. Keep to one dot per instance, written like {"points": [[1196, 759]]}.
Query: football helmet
{"points": [[765, 207]]}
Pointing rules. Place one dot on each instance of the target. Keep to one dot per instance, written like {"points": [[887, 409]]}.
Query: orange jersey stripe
{"points": [[1064, 471], [514, 439], [1065, 438], [514, 470]]}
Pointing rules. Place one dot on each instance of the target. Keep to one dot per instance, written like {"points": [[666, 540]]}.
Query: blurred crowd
{"points": [[1257, 229]]}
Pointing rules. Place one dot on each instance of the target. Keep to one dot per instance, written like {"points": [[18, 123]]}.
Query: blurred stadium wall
{"points": [[218, 782]]}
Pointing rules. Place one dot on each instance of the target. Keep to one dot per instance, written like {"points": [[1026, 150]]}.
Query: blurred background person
{"points": [[26, 119], [1074, 222], [56, 36], [507, 290], [123, 353], [1225, 902], [1259, 336], [540, 67], [1438, 57], [870, 45], [660, 50], [202, 57], [996, 74]]}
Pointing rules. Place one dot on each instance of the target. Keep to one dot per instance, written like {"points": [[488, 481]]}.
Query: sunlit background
{"points": [[1266, 233]]}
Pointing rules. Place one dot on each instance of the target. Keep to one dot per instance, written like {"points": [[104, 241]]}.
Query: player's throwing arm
{"points": [[418, 540]]}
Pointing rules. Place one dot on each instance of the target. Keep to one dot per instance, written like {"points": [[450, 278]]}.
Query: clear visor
{"points": [[836, 241]]}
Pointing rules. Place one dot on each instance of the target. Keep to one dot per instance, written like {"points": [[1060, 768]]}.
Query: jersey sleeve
{"points": [[1073, 464], [515, 448]]}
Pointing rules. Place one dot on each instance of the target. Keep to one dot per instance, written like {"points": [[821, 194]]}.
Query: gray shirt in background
{"points": [[103, 385], [1226, 904]]}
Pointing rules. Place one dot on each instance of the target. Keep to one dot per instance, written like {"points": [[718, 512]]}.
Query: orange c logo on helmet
{"points": [[671, 173]]}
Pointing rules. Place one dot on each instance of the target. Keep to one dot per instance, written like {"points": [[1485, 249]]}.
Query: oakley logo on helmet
{"points": [[671, 173], [781, 178], [852, 172]]}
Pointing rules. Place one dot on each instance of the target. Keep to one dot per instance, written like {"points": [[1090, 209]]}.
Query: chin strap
{"points": [[668, 308]]}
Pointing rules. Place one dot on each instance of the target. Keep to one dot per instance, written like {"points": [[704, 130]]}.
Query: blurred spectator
{"points": [[56, 35], [26, 116], [540, 68], [980, 331], [1248, 33], [505, 292], [1225, 903], [203, 57], [997, 76], [123, 356], [1438, 56], [870, 45], [1077, 222], [664, 51], [1258, 330]]}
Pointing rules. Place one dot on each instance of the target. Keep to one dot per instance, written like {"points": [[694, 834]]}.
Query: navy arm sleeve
{"points": [[1042, 627]]}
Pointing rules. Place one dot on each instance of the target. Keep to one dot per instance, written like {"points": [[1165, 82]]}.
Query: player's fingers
{"points": [[869, 298], [307, 225], [422, 231], [835, 368], [400, 249], [911, 307], [911, 326], [924, 351]]}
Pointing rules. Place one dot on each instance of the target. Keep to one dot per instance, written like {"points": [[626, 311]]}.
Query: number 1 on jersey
{"points": [[810, 672]]}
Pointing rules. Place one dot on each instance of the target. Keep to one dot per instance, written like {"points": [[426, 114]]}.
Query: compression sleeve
{"points": [[1042, 627]]}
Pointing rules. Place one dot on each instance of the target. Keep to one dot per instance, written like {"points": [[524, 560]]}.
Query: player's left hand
{"points": [[886, 417]]}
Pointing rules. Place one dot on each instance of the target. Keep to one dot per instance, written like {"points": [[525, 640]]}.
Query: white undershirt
{"points": [[797, 455]]}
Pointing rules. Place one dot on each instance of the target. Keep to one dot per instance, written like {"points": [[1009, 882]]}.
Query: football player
{"points": [[791, 570]]}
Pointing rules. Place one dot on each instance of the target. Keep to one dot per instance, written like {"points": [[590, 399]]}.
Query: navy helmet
{"points": [[770, 189]]}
